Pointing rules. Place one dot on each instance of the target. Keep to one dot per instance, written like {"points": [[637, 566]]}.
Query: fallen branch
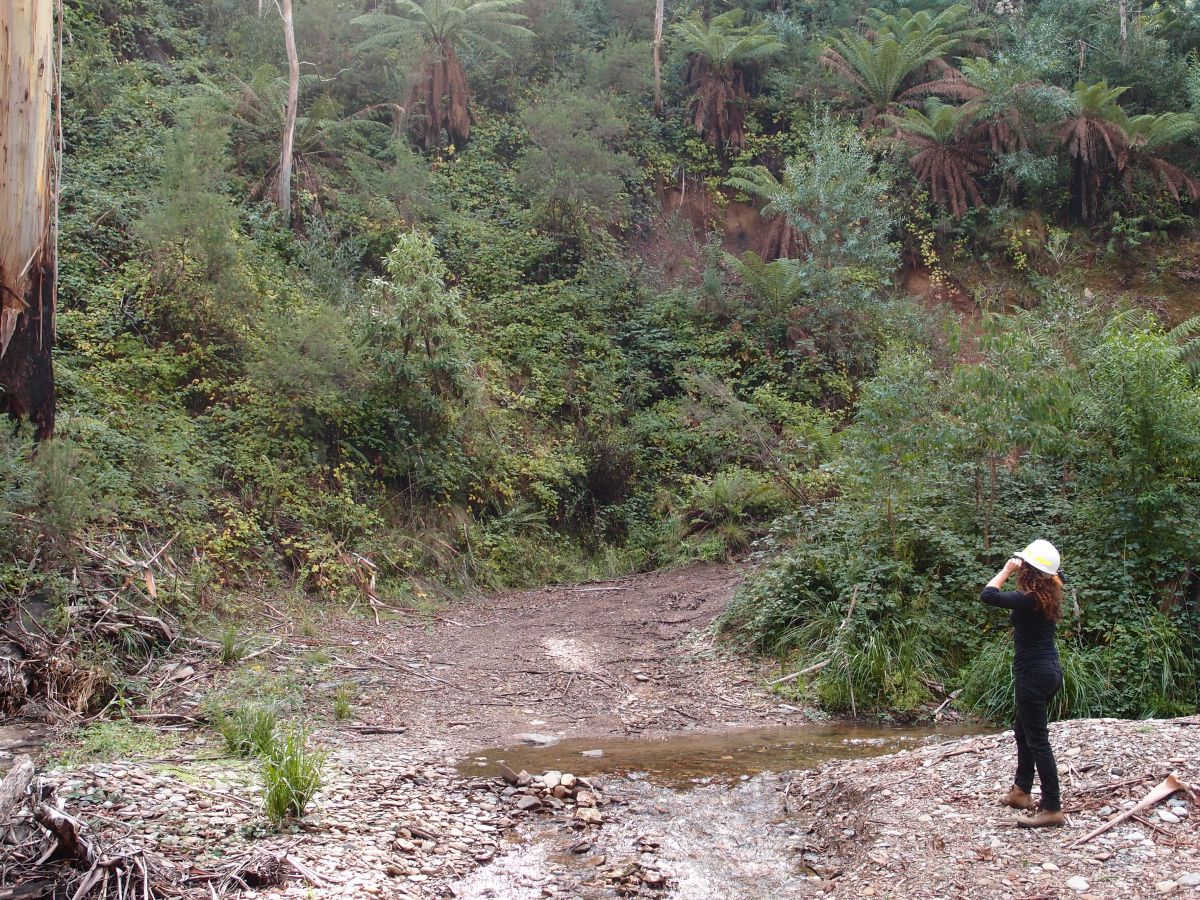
{"points": [[321, 881], [1112, 785], [953, 696], [815, 667], [374, 729], [260, 652], [1142, 820], [974, 748], [1165, 789]]}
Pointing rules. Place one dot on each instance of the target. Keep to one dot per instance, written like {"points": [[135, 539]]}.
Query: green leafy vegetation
{"points": [[1076, 422], [516, 327], [117, 739]]}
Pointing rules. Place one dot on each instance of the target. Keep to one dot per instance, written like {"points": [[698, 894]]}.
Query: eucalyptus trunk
{"points": [[658, 31], [1123, 13], [27, 203], [284, 194]]}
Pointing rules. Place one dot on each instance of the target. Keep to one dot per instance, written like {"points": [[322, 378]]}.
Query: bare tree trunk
{"points": [[1123, 11], [658, 30], [284, 194], [27, 202]]}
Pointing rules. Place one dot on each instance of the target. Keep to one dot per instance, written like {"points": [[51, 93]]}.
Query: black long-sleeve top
{"points": [[1033, 633]]}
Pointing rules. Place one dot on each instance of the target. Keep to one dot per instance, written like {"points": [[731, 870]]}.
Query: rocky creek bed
{"points": [[412, 808], [402, 821]]}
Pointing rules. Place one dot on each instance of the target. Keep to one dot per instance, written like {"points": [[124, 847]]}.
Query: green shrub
{"points": [[1150, 671], [731, 506], [291, 776]]}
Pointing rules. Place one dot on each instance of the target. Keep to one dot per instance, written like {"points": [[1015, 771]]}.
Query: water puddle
{"points": [[708, 806], [690, 759]]}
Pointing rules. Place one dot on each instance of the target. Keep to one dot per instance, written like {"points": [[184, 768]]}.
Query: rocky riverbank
{"points": [[410, 809], [922, 823], [927, 824]]}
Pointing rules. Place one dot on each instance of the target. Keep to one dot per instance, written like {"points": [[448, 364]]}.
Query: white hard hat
{"points": [[1043, 556]]}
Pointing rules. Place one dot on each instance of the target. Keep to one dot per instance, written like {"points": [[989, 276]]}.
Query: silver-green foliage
{"points": [[838, 197]]}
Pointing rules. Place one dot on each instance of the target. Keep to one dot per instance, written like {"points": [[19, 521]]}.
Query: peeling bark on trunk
{"points": [[284, 192], [27, 196]]}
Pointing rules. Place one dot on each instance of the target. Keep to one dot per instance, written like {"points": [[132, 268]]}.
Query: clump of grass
{"points": [[231, 646], [291, 776], [341, 704], [988, 683], [249, 731]]}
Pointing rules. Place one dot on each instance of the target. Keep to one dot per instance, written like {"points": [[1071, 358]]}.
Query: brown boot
{"points": [[1017, 799], [1042, 819]]}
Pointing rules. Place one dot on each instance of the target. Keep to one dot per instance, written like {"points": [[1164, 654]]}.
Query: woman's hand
{"points": [[1003, 575]]}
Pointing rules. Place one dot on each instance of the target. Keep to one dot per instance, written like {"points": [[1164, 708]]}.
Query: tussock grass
{"points": [[249, 731], [291, 776], [988, 684]]}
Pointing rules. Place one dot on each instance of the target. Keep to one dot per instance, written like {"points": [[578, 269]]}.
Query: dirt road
{"points": [[619, 658]]}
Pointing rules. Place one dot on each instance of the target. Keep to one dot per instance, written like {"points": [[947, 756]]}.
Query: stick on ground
{"points": [[1165, 789]]}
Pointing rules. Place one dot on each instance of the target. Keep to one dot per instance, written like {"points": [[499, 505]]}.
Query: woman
{"points": [[1036, 608]]}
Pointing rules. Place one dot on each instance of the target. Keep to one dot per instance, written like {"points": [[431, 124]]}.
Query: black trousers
{"points": [[1034, 690]]}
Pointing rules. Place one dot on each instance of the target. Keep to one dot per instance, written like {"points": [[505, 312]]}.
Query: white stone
{"points": [[1078, 883]]}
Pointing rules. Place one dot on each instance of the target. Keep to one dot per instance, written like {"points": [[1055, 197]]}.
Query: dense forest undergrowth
{"points": [[515, 327]]}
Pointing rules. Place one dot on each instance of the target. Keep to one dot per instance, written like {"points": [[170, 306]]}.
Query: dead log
{"points": [[815, 667], [29, 890], [15, 788]]}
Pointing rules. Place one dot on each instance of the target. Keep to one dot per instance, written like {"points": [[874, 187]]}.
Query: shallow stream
{"points": [[711, 803]]}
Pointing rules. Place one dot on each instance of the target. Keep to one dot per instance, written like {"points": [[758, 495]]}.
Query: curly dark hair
{"points": [[1047, 590]]}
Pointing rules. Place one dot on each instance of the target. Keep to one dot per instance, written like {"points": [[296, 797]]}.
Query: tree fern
{"points": [[1186, 340], [1095, 138], [439, 100], [719, 52], [776, 285], [947, 153]]}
